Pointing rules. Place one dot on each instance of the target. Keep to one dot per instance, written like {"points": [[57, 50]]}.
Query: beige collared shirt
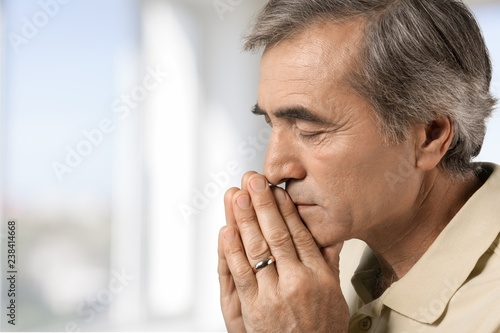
{"points": [[454, 287]]}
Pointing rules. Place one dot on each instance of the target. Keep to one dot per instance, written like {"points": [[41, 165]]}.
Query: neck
{"points": [[409, 238]]}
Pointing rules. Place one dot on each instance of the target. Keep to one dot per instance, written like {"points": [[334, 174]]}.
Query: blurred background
{"points": [[122, 123]]}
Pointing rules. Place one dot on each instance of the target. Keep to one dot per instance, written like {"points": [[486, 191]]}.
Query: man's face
{"points": [[325, 143]]}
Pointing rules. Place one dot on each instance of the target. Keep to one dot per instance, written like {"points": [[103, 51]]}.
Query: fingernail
{"points": [[280, 195], [258, 184], [243, 201]]}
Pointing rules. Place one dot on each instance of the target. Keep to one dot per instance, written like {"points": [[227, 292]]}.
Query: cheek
{"points": [[387, 183], [341, 169], [363, 183], [335, 173]]}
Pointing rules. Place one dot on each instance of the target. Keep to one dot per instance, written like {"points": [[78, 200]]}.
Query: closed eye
{"points": [[311, 137]]}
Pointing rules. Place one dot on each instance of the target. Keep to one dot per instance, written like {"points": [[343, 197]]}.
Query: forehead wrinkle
{"points": [[312, 68], [320, 48]]}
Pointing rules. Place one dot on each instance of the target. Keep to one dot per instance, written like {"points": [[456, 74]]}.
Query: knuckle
{"points": [[302, 238], [233, 251], [328, 278], [288, 211], [263, 204], [298, 285], [257, 248], [240, 271], [330, 283], [279, 237], [247, 222]]}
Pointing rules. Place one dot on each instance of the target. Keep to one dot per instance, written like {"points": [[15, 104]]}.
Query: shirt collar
{"points": [[423, 293]]}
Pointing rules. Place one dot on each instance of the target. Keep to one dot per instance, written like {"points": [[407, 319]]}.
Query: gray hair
{"points": [[419, 60]]}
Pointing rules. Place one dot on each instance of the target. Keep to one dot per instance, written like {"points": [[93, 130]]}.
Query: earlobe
{"points": [[433, 141]]}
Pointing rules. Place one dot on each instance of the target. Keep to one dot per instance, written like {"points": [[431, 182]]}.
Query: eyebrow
{"points": [[295, 112]]}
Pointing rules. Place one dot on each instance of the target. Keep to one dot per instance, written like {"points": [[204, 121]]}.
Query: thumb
{"points": [[331, 255]]}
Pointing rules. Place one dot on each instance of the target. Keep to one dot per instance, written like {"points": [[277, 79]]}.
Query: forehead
{"points": [[310, 64]]}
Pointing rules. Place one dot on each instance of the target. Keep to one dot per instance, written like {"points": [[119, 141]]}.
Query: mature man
{"points": [[377, 108]]}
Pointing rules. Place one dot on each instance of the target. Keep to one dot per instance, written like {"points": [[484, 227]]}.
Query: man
{"points": [[377, 109]]}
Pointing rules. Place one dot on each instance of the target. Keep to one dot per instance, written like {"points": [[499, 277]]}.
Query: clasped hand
{"points": [[300, 292]]}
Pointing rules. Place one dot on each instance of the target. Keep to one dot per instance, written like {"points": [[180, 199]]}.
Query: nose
{"points": [[283, 159]]}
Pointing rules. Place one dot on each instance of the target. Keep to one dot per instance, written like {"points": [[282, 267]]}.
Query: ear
{"points": [[433, 141]]}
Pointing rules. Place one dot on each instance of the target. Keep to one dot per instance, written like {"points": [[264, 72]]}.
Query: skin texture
{"points": [[342, 182]]}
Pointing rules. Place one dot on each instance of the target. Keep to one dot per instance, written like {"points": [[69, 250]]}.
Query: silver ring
{"points": [[264, 263]]}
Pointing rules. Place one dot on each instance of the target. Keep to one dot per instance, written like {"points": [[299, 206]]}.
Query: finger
{"points": [[271, 221], [254, 242], [244, 179], [305, 246], [242, 273], [228, 206], [230, 303], [225, 278]]}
